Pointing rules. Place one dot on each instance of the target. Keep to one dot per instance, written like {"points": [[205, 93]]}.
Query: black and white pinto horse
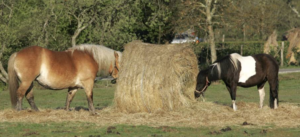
{"points": [[245, 71]]}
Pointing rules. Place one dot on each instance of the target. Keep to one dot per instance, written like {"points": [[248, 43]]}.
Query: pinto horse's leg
{"points": [[30, 98], [232, 91], [70, 96], [261, 96], [88, 88], [273, 93], [261, 90]]}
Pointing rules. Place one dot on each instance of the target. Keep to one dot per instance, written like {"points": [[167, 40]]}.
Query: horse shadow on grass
{"points": [[79, 108]]}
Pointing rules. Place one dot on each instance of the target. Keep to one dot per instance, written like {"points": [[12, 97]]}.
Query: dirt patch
{"points": [[246, 123], [220, 131], [112, 130], [200, 114], [31, 133], [167, 129], [61, 131]]}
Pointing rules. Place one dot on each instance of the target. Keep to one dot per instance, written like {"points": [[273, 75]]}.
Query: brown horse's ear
{"points": [[110, 69], [117, 59]]}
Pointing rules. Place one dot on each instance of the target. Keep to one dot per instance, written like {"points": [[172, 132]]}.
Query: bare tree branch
{"points": [[294, 10], [214, 7], [10, 9], [2, 78], [80, 27]]}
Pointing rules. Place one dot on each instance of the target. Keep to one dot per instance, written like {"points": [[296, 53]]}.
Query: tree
{"points": [[200, 14], [294, 6], [7, 35], [84, 14], [256, 19], [154, 21], [113, 24]]}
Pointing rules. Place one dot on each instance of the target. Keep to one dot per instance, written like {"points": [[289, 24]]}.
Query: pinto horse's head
{"points": [[202, 84], [114, 69]]}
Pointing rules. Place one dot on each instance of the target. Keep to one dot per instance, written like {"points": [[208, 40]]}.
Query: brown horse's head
{"points": [[114, 69]]}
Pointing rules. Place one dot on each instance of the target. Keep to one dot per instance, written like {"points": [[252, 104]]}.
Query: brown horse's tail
{"points": [[13, 83]]}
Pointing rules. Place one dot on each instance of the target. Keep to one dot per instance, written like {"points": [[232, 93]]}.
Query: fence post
{"points": [[281, 54], [223, 40], [241, 49]]}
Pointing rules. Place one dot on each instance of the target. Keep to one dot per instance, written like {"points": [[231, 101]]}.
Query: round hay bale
{"points": [[156, 77]]}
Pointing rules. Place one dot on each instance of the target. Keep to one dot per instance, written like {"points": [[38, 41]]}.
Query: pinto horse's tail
{"points": [[13, 83]]}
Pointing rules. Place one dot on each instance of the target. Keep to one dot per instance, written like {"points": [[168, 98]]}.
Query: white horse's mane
{"points": [[104, 56]]}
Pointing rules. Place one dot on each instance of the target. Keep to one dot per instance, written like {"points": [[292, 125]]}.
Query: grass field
{"points": [[211, 118]]}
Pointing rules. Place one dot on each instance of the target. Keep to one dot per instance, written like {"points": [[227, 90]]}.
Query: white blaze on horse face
{"points": [[261, 96], [233, 105], [247, 68]]}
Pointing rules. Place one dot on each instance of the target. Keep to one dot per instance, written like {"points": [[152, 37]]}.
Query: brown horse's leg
{"points": [[30, 98], [70, 96], [24, 86], [88, 88]]}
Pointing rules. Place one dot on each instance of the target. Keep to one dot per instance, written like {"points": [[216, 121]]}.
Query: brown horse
{"points": [[74, 68]]}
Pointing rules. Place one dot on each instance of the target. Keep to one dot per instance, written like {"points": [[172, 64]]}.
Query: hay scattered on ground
{"points": [[199, 114], [156, 77]]}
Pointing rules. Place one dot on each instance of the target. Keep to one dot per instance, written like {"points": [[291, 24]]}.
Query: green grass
{"points": [[72, 129], [289, 85], [103, 97]]}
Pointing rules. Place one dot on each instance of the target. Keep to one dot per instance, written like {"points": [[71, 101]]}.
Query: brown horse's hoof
{"points": [[94, 114]]}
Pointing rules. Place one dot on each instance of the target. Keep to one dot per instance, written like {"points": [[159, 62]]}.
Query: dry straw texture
{"points": [[156, 77], [198, 115]]}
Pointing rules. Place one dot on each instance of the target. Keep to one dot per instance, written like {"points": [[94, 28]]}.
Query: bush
{"points": [[202, 50]]}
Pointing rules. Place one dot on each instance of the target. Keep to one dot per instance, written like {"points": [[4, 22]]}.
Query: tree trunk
{"points": [[211, 31], [212, 44], [159, 34], [281, 54], [3, 73], [77, 32]]}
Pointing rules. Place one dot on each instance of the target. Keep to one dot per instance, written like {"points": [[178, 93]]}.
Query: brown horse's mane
{"points": [[104, 56]]}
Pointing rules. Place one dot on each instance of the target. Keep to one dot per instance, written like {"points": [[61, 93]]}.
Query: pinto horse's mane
{"points": [[217, 70], [103, 56], [234, 59], [218, 66]]}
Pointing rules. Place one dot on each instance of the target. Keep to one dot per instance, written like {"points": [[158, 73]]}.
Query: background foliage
{"points": [[59, 24]]}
